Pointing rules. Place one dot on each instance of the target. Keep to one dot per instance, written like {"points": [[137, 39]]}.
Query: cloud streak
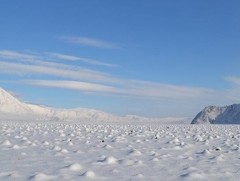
{"points": [[64, 72], [73, 85], [234, 80], [63, 75], [75, 58], [123, 87], [44, 58], [158, 90], [137, 89], [86, 41], [233, 92], [16, 55]]}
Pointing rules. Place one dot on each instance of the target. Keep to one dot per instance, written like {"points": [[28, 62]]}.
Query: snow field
{"points": [[74, 151]]}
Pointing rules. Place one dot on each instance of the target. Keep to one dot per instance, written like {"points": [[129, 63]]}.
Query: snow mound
{"points": [[89, 175], [110, 160], [75, 167]]}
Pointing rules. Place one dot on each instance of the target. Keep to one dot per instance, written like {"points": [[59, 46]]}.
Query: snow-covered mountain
{"points": [[9, 104], [218, 115], [12, 108]]}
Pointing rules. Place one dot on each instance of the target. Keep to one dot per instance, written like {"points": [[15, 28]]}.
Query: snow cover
{"points": [[57, 150], [219, 115]]}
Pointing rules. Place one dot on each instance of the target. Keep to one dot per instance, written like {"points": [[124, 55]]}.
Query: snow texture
{"points": [[57, 150]]}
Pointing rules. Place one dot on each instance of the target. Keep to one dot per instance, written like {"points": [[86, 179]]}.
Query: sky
{"points": [[149, 58]]}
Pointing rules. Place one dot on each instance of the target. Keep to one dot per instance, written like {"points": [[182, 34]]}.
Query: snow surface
{"points": [[58, 150], [219, 115]]}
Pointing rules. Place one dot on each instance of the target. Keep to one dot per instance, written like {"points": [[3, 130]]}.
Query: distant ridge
{"points": [[12, 108], [218, 115]]}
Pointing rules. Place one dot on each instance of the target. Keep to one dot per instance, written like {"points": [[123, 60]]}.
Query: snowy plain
{"points": [[58, 150]]}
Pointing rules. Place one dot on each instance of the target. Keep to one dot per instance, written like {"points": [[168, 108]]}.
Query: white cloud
{"points": [[233, 92], [73, 85], [69, 75], [234, 80], [122, 87], [158, 90], [75, 58], [85, 41], [136, 90], [64, 72], [63, 56], [16, 55], [43, 58]]}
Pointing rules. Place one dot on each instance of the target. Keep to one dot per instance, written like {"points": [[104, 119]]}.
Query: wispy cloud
{"points": [[137, 89], [17, 55], [233, 92], [75, 58], [233, 80], [43, 58], [91, 42], [158, 90], [63, 75], [73, 85], [123, 87], [64, 72]]}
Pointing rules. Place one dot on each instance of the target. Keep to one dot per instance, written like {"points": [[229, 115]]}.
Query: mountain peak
{"points": [[2, 91], [218, 115], [10, 104], [6, 97]]}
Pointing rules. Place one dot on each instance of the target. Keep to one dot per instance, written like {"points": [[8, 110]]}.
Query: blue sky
{"points": [[151, 58]]}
